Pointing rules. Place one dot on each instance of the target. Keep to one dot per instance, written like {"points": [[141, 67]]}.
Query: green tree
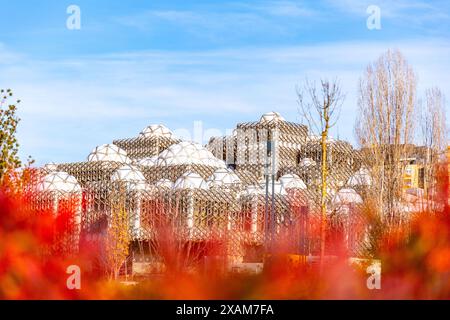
{"points": [[117, 236]]}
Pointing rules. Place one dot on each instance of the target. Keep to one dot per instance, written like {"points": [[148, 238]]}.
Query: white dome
{"points": [[128, 173], [346, 196], [109, 152], [271, 117], [188, 153], [156, 130], [223, 177], [164, 183], [190, 180], [148, 162], [253, 190], [51, 167], [292, 181], [360, 178], [306, 162], [141, 186], [60, 182]]}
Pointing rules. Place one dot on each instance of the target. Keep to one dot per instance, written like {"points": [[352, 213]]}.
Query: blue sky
{"points": [[135, 63]]}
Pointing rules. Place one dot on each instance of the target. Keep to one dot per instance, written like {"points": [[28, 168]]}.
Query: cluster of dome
{"points": [[128, 173], [190, 180], [183, 153], [221, 178], [190, 153]]}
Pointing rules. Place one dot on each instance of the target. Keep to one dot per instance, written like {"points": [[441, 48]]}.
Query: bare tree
{"points": [[434, 135], [320, 107], [384, 126]]}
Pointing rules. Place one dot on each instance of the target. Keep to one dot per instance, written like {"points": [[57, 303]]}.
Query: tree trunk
{"points": [[323, 205]]}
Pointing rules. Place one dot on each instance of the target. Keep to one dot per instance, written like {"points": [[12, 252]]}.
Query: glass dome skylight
{"points": [[156, 130], [190, 180], [128, 173], [60, 182], [223, 178], [188, 153], [109, 152], [292, 181]]}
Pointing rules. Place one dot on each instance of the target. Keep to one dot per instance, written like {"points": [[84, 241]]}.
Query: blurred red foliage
{"points": [[415, 265]]}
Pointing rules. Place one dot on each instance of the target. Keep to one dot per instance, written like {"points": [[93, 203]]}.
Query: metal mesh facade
{"points": [[142, 147], [176, 189]]}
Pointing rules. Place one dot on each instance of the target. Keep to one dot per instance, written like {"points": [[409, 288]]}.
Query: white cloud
{"points": [[401, 11], [285, 8], [232, 20]]}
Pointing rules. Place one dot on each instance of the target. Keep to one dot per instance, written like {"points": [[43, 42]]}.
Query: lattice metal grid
{"points": [[143, 147], [234, 215]]}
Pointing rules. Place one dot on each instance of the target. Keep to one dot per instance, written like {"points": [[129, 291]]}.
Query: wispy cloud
{"points": [[401, 11], [285, 8], [236, 19]]}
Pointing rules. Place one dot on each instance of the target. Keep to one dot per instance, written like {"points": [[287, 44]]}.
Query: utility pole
{"points": [[269, 216], [266, 208], [273, 215]]}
